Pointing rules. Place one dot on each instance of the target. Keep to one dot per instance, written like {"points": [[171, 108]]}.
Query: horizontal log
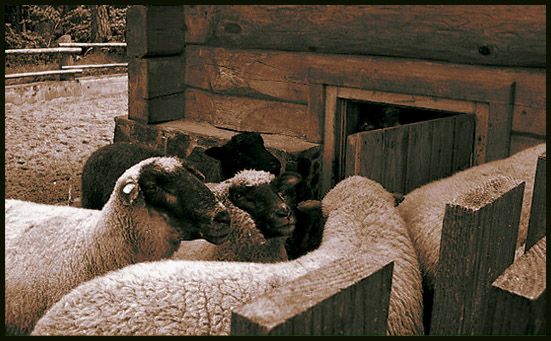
{"points": [[154, 77], [247, 114], [43, 73], [122, 44], [259, 74], [154, 31], [158, 109], [45, 50], [489, 35], [92, 66]]}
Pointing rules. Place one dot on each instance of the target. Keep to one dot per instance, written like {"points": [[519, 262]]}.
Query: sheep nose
{"points": [[283, 211], [222, 217]]}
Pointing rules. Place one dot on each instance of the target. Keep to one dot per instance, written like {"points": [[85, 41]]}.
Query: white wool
{"points": [[423, 208], [196, 297]]}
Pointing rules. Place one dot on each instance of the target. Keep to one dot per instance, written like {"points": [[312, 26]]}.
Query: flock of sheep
{"points": [[157, 251]]}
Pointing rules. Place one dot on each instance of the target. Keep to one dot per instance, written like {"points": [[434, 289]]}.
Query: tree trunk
{"points": [[100, 24]]}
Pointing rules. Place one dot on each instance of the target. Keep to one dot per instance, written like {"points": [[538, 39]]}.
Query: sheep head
{"points": [[170, 188], [244, 151], [266, 199]]}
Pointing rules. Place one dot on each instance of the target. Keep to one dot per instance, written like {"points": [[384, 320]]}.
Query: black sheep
{"points": [[102, 169]]}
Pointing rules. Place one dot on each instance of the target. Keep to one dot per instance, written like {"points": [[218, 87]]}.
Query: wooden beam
{"points": [[343, 298], [537, 223], [518, 296], [478, 241], [155, 31], [489, 35]]}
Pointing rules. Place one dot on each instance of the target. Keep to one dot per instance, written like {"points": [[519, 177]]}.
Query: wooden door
{"points": [[404, 157]]}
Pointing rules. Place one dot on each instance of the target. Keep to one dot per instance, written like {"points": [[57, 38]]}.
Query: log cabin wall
{"points": [[268, 68]]}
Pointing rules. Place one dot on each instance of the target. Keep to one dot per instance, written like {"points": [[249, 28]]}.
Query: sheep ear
{"points": [[287, 180], [129, 192], [218, 153]]}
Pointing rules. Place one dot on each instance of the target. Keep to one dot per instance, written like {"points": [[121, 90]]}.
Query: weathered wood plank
{"points": [[395, 157], [518, 296], [344, 298], [530, 119], [418, 155], [494, 35], [537, 223], [329, 131], [371, 156], [406, 76], [154, 31], [198, 21], [479, 235], [247, 114], [499, 131], [253, 73], [316, 111], [463, 135], [442, 145]]}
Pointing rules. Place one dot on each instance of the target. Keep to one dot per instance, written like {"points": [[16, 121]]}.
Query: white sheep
{"points": [[50, 250], [196, 298], [423, 208], [246, 241]]}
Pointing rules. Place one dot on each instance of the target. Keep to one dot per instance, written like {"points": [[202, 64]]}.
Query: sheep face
{"points": [[266, 204], [244, 151], [173, 189]]}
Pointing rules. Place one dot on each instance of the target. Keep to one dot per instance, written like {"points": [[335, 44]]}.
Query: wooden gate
{"points": [[404, 157]]}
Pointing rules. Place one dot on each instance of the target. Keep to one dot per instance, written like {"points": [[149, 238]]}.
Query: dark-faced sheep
{"points": [[105, 165], [49, 250]]}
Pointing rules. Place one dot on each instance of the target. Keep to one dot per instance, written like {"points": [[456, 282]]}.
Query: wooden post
{"points": [[155, 38], [479, 234], [343, 298], [537, 223], [66, 59], [517, 297]]}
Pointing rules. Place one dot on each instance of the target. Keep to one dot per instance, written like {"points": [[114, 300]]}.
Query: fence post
{"points": [[343, 298], [517, 297], [479, 234], [65, 59], [536, 225]]}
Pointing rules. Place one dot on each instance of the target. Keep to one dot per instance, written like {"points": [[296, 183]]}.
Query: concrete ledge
{"points": [[189, 139], [85, 87]]}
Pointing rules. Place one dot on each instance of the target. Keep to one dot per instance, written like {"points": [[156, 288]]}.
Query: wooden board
{"points": [[496, 35]]}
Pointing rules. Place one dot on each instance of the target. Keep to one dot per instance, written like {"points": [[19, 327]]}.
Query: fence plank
{"points": [[479, 235], [370, 158], [45, 50], [43, 73], [342, 298], [442, 145], [89, 66], [537, 223], [517, 303], [395, 151], [463, 142], [92, 44], [418, 158]]}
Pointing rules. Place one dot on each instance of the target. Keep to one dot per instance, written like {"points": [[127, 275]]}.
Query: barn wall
{"points": [[264, 68]]}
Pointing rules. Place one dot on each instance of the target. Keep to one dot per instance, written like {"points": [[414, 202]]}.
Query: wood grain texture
{"points": [[343, 298], [537, 223], [495, 35], [479, 234], [518, 296]]}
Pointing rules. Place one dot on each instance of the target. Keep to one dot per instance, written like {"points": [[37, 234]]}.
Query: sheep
{"points": [[261, 219], [105, 165], [176, 297], [423, 208], [51, 249]]}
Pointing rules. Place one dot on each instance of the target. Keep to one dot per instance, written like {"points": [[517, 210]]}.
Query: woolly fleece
{"points": [[423, 208], [195, 298]]}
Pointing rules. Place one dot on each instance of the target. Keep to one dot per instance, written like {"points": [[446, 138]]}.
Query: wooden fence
{"points": [[479, 289], [65, 49]]}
